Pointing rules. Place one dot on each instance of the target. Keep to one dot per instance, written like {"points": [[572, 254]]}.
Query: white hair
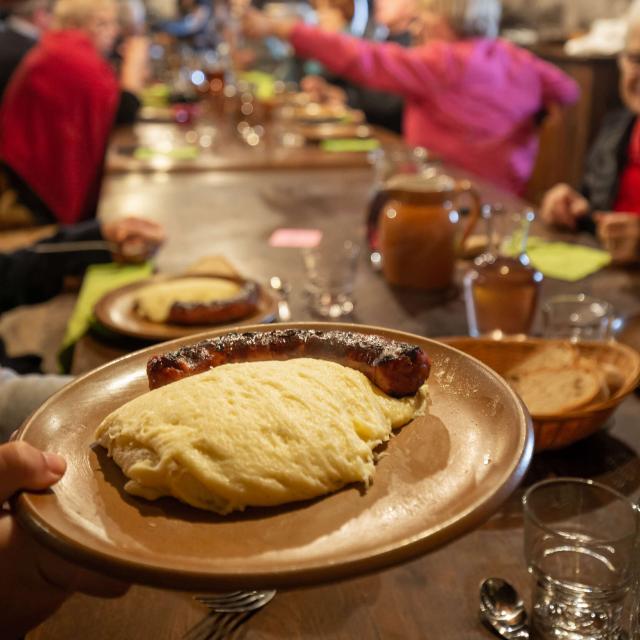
{"points": [[75, 14], [469, 18], [633, 17]]}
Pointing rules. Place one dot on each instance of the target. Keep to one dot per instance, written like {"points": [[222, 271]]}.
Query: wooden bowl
{"points": [[559, 430]]}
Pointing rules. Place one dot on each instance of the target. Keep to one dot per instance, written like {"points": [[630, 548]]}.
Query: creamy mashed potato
{"points": [[155, 300], [259, 433]]}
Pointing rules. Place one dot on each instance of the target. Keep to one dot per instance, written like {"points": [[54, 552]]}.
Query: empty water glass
{"points": [[579, 545], [331, 271], [577, 317]]}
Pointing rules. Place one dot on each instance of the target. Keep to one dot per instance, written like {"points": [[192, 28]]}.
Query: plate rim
{"points": [[269, 314], [294, 574]]}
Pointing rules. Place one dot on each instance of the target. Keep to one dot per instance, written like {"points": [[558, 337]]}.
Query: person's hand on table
{"points": [[136, 239], [34, 581], [256, 24], [619, 234], [562, 206], [320, 90]]}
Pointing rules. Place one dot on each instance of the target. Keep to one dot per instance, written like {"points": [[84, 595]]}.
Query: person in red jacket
{"points": [[470, 96], [56, 116], [608, 202]]}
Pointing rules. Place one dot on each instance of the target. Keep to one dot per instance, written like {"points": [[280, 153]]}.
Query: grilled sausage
{"points": [[218, 311], [397, 368]]}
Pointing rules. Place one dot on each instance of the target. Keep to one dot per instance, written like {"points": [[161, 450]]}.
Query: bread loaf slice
{"points": [[555, 356], [553, 391]]}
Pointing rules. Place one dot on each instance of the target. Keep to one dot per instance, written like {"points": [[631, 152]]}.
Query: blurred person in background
{"points": [[57, 114], [469, 96], [190, 23], [29, 277], [392, 21], [609, 199], [26, 22]]}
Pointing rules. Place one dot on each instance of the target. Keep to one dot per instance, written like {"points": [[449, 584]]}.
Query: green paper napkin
{"points": [[263, 83], [349, 144], [98, 280], [564, 261], [187, 152], [155, 95]]}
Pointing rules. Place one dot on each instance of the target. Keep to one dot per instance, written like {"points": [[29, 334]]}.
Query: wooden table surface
{"points": [[434, 597], [228, 152]]}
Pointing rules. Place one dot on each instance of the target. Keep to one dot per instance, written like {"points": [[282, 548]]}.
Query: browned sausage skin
{"points": [[218, 311], [397, 368]]}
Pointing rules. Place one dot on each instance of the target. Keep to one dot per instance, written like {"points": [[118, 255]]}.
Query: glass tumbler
{"points": [[501, 289], [331, 273], [580, 538], [577, 317]]}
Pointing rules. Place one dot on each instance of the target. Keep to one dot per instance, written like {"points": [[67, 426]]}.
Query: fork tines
{"points": [[217, 626], [236, 601]]}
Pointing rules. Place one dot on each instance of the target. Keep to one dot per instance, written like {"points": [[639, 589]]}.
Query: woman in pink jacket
{"points": [[469, 96]]}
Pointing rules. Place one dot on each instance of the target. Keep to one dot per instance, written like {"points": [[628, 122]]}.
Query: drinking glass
{"points": [[579, 541], [501, 289], [331, 272], [577, 317]]}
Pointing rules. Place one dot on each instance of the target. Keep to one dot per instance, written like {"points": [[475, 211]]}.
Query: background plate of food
{"points": [[167, 307], [444, 472]]}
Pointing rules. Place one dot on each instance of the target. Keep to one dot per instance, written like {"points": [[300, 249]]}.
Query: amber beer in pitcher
{"points": [[420, 230]]}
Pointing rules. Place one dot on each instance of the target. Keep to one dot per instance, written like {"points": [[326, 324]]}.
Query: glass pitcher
{"points": [[501, 289], [421, 231]]}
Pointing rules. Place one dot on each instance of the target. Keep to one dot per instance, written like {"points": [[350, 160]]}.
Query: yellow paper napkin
{"points": [[564, 261], [99, 279], [338, 145], [155, 95], [263, 83], [186, 152]]}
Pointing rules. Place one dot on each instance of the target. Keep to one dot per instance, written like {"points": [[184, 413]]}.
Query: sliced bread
{"points": [[553, 391]]}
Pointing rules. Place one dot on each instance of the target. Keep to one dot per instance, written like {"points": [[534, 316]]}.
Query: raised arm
{"points": [[557, 86], [383, 66]]}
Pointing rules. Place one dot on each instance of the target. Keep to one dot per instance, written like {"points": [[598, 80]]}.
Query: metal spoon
{"points": [[502, 609], [283, 289]]}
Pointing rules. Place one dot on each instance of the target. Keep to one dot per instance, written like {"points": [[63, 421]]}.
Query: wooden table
{"points": [[432, 598], [227, 151]]}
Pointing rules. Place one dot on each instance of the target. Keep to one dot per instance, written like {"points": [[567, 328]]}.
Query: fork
{"points": [[217, 626], [228, 612], [236, 601]]}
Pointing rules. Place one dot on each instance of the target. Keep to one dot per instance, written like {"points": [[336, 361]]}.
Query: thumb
{"points": [[22, 466]]}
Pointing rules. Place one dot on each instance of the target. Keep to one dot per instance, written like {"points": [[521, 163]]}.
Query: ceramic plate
{"points": [[442, 475], [329, 131], [116, 312]]}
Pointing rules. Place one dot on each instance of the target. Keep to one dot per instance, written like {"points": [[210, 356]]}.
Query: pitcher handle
{"points": [[465, 186]]}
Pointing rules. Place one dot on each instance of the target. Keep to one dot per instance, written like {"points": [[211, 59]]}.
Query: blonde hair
{"points": [[468, 18], [76, 14]]}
